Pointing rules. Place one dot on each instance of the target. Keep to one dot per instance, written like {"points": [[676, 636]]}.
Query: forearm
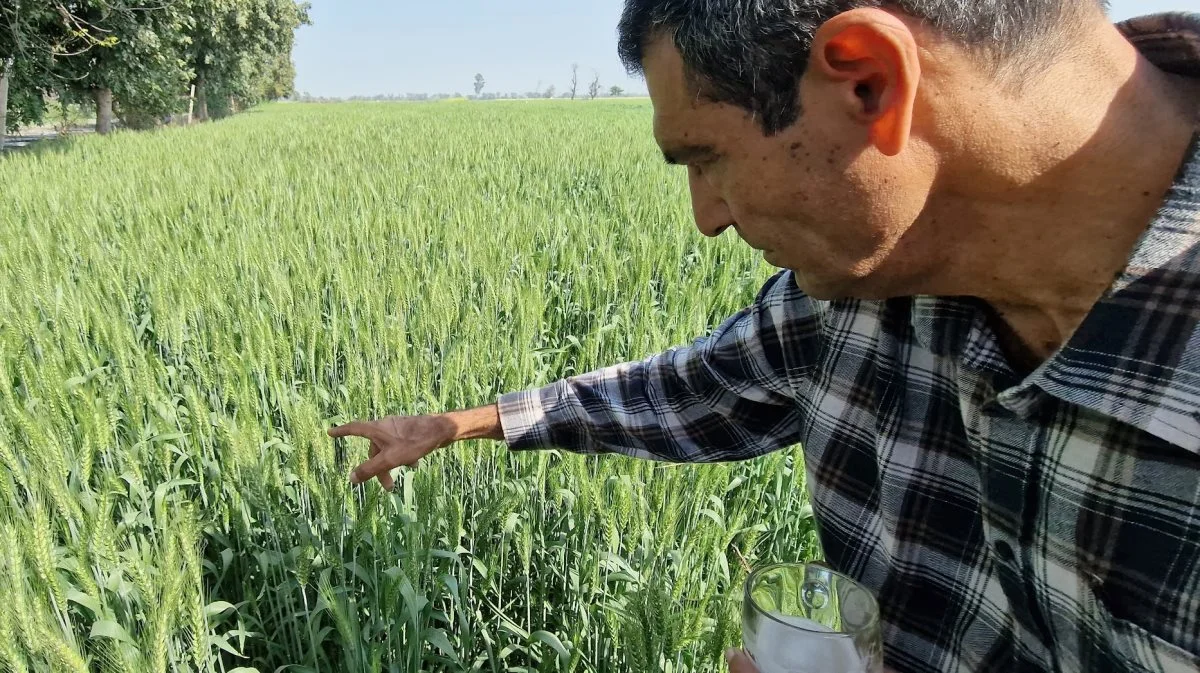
{"points": [[479, 423]]}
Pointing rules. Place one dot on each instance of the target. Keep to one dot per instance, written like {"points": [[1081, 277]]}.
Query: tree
{"points": [[135, 59], [102, 52], [282, 82], [479, 83], [549, 92], [594, 88], [237, 51], [135, 63], [574, 79], [616, 91], [33, 33], [6, 67]]}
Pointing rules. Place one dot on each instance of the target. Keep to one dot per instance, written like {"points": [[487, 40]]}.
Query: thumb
{"points": [[740, 662]]}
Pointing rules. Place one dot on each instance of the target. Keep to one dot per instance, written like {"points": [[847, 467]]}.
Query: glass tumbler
{"points": [[805, 618]]}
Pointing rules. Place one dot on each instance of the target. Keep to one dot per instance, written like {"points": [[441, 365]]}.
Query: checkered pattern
{"points": [[1044, 523]]}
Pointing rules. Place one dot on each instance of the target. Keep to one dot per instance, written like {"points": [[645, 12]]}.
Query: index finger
{"points": [[740, 662], [364, 429]]}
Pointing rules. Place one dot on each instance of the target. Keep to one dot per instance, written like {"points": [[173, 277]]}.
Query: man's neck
{"points": [[1050, 200]]}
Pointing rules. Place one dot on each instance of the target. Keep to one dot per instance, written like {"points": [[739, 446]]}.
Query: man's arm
{"points": [[726, 397]]}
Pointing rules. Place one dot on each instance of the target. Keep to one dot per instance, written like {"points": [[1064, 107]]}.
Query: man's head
{"points": [[817, 127]]}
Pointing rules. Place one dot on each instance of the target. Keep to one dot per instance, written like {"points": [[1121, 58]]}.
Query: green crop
{"points": [[183, 314]]}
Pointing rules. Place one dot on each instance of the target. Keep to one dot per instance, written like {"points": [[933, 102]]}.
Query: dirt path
{"points": [[29, 136]]}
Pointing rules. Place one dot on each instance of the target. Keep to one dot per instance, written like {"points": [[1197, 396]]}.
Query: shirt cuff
{"points": [[525, 418]]}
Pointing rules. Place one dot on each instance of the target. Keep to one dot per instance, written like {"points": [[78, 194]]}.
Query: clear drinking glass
{"points": [[803, 618]]}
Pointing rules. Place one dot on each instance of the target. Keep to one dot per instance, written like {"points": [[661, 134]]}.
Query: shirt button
{"points": [[1004, 552]]}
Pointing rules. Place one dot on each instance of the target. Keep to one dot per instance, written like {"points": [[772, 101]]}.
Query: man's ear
{"points": [[870, 58]]}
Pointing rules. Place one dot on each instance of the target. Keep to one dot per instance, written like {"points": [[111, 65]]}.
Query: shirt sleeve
{"points": [[726, 397]]}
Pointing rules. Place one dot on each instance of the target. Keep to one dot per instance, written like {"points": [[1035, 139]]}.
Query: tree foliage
{"points": [[136, 53], [240, 50], [148, 54], [32, 34]]}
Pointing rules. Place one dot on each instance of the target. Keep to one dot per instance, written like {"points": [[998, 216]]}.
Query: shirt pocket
{"points": [[1144, 651]]}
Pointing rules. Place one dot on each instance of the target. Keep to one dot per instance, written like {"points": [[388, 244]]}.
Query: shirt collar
{"points": [[1136, 357]]}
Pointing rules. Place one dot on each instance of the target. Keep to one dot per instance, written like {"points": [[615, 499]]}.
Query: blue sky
{"points": [[372, 47]]}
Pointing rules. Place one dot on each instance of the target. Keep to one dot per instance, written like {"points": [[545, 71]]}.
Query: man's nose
{"points": [[710, 210]]}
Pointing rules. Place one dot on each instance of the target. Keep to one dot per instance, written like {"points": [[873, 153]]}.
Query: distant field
{"points": [[184, 312]]}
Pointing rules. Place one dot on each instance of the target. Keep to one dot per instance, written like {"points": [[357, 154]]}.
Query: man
{"points": [[985, 335]]}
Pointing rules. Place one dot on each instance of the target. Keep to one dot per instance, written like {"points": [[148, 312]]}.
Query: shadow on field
{"points": [[38, 143], [42, 140]]}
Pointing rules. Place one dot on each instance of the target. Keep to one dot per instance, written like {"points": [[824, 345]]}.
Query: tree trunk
{"points": [[6, 67], [104, 111], [201, 100]]}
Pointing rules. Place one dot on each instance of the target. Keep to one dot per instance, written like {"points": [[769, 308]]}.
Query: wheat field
{"points": [[183, 314]]}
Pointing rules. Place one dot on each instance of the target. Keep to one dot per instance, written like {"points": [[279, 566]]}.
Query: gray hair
{"points": [[751, 53]]}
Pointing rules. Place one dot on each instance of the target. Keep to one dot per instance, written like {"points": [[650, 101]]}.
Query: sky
{"points": [[369, 47]]}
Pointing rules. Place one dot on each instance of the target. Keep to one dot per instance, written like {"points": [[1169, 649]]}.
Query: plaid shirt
{"points": [[1044, 523]]}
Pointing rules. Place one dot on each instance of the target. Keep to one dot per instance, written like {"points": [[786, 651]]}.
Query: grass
{"points": [[183, 313]]}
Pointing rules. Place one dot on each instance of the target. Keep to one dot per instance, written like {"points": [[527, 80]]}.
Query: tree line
{"points": [[415, 97], [140, 61], [594, 88]]}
